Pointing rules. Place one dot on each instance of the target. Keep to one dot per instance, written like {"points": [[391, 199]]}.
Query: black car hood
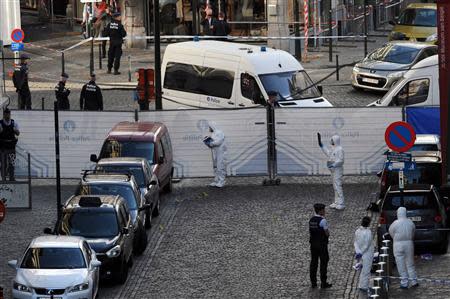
{"points": [[102, 245]]}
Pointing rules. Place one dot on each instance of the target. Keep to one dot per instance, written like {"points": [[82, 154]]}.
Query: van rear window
{"points": [[198, 79], [411, 201], [136, 149]]}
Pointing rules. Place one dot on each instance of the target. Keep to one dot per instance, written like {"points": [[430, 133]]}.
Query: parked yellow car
{"points": [[416, 23]]}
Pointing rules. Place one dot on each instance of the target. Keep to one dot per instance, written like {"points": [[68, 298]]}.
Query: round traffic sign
{"points": [[2, 211], [400, 136], [17, 35]]}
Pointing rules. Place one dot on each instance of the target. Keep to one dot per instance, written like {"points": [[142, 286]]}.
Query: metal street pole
{"points": [[194, 16], [298, 45], [58, 172], [158, 95], [91, 60], [330, 33], [365, 28], [3, 91]]}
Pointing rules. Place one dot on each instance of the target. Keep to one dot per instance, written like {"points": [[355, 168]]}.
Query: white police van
{"points": [[232, 75]]}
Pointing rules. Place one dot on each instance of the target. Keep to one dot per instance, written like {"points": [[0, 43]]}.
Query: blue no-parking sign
{"points": [[400, 136]]}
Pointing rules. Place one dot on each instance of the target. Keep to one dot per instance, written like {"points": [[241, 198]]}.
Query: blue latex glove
{"points": [[358, 256]]}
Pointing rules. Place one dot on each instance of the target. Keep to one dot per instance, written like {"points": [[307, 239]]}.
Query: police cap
{"points": [[6, 111], [319, 207], [116, 14], [24, 56], [65, 75], [272, 93]]}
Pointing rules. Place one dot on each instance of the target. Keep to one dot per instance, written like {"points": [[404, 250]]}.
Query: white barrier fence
{"points": [[82, 133]]}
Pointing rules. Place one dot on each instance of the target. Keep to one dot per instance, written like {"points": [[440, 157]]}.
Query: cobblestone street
{"points": [[230, 243]]}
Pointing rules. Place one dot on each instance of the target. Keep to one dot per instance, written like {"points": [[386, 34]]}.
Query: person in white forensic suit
{"points": [[364, 251], [335, 164], [402, 232], [219, 150]]}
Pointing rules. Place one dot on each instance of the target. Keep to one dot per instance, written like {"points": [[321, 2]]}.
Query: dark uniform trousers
{"points": [[114, 55], [24, 99], [319, 250]]}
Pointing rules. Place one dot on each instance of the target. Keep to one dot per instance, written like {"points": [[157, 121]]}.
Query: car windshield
{"points": [[418, 17], [111, 189], [395, 54], [425, 173], [114, 148], [290, 85], [411, 201], [89, 224], [136, 171], [53, 258], [424, 148]]}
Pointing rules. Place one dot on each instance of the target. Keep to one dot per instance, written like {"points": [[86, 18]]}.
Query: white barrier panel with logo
{"points": [[361, 131], [82, 133]]}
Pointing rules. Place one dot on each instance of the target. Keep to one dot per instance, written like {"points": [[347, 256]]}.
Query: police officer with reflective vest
{"points": [[20, 80], [62, 93], [9, 130], [116, 33], [318, 238], [91, 97]]}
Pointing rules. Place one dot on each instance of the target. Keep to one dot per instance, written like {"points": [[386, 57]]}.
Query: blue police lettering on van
{"points": [[213, 100]]}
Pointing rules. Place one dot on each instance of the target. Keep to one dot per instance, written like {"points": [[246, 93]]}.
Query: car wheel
{"points": [[168, 187], [123, 274], [155, 212], [148, 219]]}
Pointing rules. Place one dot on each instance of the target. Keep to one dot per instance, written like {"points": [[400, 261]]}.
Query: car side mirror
{"points": [[13, 264], [48, 231], [96, 264], [125, 231], [320, 88], [379, 173], [161, 160], [152, 183], [94, 158], [392, 22]]}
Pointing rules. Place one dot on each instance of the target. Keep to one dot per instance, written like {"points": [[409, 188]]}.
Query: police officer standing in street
{"points": [[116, 33], [20, 80], [9, 130], [318, 238], [91, 97], [62, 93]]}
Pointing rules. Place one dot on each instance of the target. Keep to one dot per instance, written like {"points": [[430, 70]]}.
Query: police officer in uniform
{"points": [[318, 238], [91, 97], [62, 93], [20, 80], [116, 33], [9, 130]]}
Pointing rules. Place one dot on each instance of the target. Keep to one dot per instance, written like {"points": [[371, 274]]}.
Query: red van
{"points": [[149, 140]]}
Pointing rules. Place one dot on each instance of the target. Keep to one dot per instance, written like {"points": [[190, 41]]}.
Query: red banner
{"points": [[443, 25]]}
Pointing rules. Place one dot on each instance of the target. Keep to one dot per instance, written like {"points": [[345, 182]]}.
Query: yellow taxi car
{"points": [[416, 23]]}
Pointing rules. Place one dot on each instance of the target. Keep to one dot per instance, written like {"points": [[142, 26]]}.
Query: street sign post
{"points": [[400, 136], [17, 35]]}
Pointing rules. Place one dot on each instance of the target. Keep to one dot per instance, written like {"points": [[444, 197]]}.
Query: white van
{"points": [[218, 74], [418, 87]]}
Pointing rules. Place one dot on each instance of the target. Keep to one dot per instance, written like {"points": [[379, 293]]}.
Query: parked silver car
{"points": [[382, 68], [56, 267]]}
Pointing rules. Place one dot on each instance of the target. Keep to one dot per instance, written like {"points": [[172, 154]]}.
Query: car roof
{"points": [[54, 241], [411, 44], [422, 5], [427, 139], [108, 201], [136, 131], [411, 188], [121, 161]]}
